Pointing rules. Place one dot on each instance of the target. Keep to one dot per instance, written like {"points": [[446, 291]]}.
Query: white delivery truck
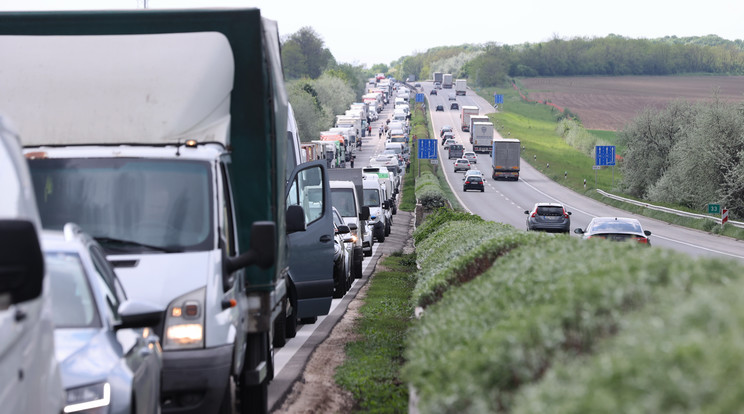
{"points": [[29, 375], [482, 137], [447, 81], [173, 157], [474, 119], [375, 198], [505, 158], [461, 86], [465, 113]]}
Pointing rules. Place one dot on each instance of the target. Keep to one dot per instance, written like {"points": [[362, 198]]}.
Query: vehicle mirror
{"points": [[137, 314], [21, 261], [526, 212], [364, 215], [647, 232], [343, 229], [353, 226], [385, 205], [295, 219], [578, 231], [348, 239], [569, 213], [262, 250]]}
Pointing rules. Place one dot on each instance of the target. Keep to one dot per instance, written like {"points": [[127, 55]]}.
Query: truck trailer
{"points": [[505, 155], [482, 137], [461, 86], [438, 77], [173, 157], [465, 113], [447, 81]]}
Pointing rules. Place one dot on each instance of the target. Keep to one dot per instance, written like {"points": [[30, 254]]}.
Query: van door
{"points": [[311, 251]]}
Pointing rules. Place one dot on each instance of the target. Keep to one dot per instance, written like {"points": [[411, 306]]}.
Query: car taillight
{"points": [[467, 182], [641, 239], [565, 215], [534, 214]]}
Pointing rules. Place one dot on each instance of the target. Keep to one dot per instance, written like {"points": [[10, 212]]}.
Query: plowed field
{"points": [[609, 103]]}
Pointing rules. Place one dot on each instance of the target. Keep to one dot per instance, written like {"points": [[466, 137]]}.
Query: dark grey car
{"points": [[549, 217]]}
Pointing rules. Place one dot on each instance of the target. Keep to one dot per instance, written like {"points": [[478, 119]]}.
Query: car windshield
{"points": [[549, 211], [615, 226], [74, 306], [343, 200], [134, 203], [371, 197]]}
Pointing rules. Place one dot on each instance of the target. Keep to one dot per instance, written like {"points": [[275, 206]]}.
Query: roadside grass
{"points": [[371, 371], [534, 125], [560, 300]]}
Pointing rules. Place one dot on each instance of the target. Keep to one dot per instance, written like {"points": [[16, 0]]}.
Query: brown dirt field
{"points": [[609, 103]]}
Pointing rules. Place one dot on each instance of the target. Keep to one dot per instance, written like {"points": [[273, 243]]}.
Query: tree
{"points": [[293, 61], [308, 43]]}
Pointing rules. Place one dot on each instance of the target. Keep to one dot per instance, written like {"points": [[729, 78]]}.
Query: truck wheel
{"points": [[291, 325], [387, 229], [381, 235], [280, 327], [357, 267], [255, 398]]}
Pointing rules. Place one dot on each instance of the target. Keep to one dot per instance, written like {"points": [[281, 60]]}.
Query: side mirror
{"points": [[295, 219], [262, 250], [353, 226], [364, 215], [343, 229], [647, 232], [385, 205], [136, 314], [526, 212], [578, 231], [21, 261], [569, 213]]}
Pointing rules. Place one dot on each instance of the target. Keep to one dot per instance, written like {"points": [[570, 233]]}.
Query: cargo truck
{"points": [[162, 134], [474, 119], [461, 86], [465, 113], [438, 77], [505, 155], [447, 81], [482, 137]]}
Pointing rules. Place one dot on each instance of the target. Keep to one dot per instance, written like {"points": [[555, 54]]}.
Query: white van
{"points": [[375, 199], [30, 380], [344, 199]]}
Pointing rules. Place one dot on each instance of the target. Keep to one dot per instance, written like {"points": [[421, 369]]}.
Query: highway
{"points": [[506, 201]]}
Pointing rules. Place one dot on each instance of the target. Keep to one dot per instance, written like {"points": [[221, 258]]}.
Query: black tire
{"points": [[381, 235], [368, 253], [356, 268], [309, 320], [483, 189], [387, 229], [280, 327], [255, 398]]}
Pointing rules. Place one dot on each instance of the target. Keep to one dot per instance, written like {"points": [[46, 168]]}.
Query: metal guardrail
{"points": [[668, 210]]}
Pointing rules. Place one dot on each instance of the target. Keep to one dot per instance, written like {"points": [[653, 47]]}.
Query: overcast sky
{"points": [[380, 31]]}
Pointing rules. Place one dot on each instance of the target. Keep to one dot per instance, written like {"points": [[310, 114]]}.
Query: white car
{"points": [[470, 156], [449, 142]]}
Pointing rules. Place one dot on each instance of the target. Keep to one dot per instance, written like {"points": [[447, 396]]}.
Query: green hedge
{"points": [[439, 217], [540, 303], [428, 192]]}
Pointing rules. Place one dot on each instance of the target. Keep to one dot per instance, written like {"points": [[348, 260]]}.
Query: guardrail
{"points": [[668, 210]]}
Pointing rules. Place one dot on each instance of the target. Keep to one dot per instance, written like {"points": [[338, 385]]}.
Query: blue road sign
{"points": [[604, 155], [419, 97], [498, 99], [427, 149]]}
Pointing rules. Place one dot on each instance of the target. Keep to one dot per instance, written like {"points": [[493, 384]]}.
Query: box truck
{"points": [[465, 113], [505, 155], [482, 137], [461, 86], [447, 81]]}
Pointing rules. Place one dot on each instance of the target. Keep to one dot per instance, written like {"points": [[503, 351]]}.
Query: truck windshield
{"points": [[371, 197], [131, 205]]}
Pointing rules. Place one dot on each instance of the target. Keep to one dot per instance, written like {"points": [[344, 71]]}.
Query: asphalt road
{"points": [[506, 201]]}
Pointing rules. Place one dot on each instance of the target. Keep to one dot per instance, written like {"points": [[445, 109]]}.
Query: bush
{"points": [[440, 217], [539, 303], [428, 192]]}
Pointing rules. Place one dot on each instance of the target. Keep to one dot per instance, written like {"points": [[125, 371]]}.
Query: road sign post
{"points": [[427, 150], [724, 216], [604, 155], [714, 208]]}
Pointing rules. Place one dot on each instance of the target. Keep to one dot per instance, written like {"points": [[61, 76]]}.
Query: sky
{"points": [[381, 31]]}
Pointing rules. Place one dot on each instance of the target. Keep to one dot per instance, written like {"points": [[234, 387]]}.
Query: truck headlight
{"points": [[93, 399], [184, 322]]}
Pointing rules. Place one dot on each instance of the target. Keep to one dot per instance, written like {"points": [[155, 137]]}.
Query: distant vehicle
{"points": [[451, 97], [505, 158], [455, 151], [439, 108], [482, 137], [417, 85], [454, 105], [447, 81], [437, 76], [462, 165], [548, 217], [470, 156], [465, 114], [472, 172], [473, 182], [95, 322], [437, 85], [433, 92], [444, 129], [449, 142], [342, 256], [446, 136], [461, 86], [615, 229]]}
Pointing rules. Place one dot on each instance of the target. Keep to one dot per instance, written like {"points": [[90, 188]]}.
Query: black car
{"points": [[433, 92], [549, 217], [439, 108], [454, 106], [473, 182]]}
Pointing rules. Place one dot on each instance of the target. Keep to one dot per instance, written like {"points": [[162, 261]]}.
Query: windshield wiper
{"points": [[120, 244]]}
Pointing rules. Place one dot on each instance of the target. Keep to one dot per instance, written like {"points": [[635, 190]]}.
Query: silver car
{"points": [[109, 357]]}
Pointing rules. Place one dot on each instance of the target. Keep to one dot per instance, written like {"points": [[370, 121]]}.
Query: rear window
{"points": [[615, 227], [474, 179], [549, 211]]}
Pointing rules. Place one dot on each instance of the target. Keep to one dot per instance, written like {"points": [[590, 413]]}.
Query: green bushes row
{"points": [[550, 300], [428, 192]]}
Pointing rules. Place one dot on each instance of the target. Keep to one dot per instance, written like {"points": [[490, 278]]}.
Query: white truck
{"points": [[447, 81], [173, 157], [465, 113], [461, 86], [437, 76], [482, 137], [474, 119], [505, 159]]}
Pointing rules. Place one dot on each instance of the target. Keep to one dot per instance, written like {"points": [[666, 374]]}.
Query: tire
{"points": [[255, 398], [368, 253], [483, 189], [280, 327], [228, 400], [356, 268], [309, 320], [387, 229], [381, 235], [339, 283]]}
